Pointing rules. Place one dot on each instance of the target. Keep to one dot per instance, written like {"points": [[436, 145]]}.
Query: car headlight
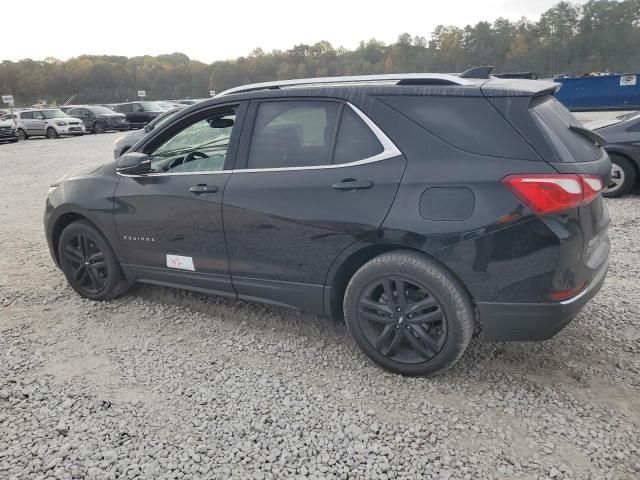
{"points": [[60, 123]]}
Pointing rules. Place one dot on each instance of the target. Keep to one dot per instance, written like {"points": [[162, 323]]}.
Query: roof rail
{"points": [[399, 79], [477, 72]]}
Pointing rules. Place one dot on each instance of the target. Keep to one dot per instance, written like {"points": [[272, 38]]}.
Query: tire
{"points": [[623, 177], [89, 263], [426, 336], [52, 133], [98, 127], [22, 135]]}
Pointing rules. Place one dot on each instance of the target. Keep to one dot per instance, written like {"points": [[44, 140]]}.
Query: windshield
{"points": [[98, 110], [54, 114], [151, 107], [163, 118]]}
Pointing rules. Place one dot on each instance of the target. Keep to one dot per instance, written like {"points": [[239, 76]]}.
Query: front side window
{"points": [[293, 134], [199, 147], [37, 115]]}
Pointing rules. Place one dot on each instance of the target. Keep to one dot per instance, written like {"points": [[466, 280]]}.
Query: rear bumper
{"points": [[505, 322]]}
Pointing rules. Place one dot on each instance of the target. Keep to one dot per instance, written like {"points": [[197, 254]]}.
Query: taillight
{"points": [[552, 193]]}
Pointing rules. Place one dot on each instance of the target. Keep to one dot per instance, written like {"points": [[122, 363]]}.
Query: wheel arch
{"points": [[348, 264]]}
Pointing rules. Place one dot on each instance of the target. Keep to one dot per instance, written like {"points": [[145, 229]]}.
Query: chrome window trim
{"points": [[389, 150]]}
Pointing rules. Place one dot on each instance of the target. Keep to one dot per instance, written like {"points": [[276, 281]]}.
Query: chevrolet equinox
{"points": [[418, 207]]}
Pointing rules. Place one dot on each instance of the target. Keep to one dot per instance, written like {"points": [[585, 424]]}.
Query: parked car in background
{"points": [[47, 122], [66, 108], [622, 135], [190, 101], [139, 113], [124, 143], [418, 207], [8, 131], [169, 105], [99, 119]]}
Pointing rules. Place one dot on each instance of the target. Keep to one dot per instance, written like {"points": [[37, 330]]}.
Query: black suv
{"points": [[99, 119], [419, 207], [139, 113]]}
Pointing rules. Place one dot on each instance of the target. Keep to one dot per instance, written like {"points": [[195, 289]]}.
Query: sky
{"points": [[209, 30]]}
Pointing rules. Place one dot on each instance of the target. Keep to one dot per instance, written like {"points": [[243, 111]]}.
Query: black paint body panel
{"points": [[285, 237]]}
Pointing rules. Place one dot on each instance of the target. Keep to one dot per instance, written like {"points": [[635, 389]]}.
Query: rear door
{"points": [[313, 177]]}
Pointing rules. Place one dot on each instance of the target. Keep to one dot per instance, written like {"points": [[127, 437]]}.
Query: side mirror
{"points": [[134, 163], [221, 123]]}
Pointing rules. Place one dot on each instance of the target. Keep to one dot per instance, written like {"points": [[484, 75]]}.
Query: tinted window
{"points": [[554, 121], [355, 141], [199, 147], [293, 134], [26, 115], [38, 115], [468, 123], [124, 108]]}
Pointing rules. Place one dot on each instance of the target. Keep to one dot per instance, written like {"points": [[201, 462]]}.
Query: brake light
{"points": [[552, 193]]}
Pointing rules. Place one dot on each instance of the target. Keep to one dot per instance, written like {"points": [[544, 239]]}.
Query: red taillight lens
{"points": [[551, 193], [564, 294]]}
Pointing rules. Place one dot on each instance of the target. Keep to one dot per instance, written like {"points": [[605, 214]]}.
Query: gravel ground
{"points": [[168, 384]]}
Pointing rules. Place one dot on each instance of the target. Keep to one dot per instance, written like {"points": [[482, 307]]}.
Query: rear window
{"points": [[554, 121], [469, 123]]}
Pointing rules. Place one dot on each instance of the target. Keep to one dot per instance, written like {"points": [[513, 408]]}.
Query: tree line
{"points": [[598, 36]]}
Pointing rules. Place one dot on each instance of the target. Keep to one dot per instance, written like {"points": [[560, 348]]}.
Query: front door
{"points": [[317, 177], [170, 221]]}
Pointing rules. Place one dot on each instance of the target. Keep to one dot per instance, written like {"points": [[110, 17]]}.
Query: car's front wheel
{"points": [[51, 133], [623, 176], [408, 314], [98, 127], [88, 262]]}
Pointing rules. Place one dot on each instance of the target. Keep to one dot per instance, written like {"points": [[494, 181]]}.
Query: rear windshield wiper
{"points": [[590, 134]]}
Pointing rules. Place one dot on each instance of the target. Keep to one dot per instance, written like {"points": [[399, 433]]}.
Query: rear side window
{"points": [[293, 134], [468, 123], [355, 141], [26, 115], [554, 121]]}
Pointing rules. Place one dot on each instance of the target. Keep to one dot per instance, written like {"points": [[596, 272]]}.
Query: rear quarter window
{"points": [[469, 123], [554, 120]]}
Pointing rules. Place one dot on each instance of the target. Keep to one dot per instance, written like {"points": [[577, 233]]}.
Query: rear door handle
{"points": [[352, 184], [202, 188]]}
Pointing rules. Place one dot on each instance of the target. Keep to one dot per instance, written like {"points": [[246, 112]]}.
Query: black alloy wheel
{"points": [[89, 263], [408, 313], [98, 127], [402, 320], [89, 267], [22, 135]]}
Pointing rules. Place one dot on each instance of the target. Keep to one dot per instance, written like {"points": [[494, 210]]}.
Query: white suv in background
{"points": [[49, 122]]}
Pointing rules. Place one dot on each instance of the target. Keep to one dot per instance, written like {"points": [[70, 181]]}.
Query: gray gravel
{"points": [[170, 384]]}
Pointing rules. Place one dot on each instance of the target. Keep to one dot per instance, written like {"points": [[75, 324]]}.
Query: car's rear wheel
{"points": [[51, 133], [408, 314], [88, 262], [98, 127], [22, 135], [623, 176]]}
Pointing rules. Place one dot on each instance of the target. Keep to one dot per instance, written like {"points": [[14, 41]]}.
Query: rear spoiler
{"points": [[590, 134]]}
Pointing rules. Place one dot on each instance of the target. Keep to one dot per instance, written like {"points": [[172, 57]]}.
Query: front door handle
{"points": [[352, 184], [202, 188]]}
